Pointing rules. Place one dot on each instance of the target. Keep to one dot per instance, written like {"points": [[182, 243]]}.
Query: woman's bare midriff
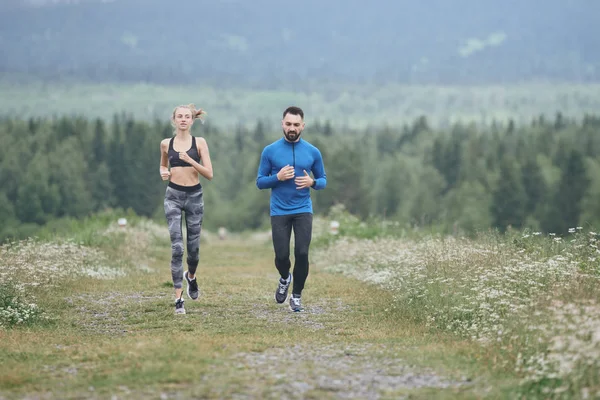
{"points": [[184, 176]]}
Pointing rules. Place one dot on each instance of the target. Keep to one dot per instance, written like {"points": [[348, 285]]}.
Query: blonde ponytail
{"points": [[198, 113]]}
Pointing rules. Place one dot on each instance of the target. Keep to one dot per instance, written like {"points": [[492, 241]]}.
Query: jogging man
{"points": [[285, 168]]}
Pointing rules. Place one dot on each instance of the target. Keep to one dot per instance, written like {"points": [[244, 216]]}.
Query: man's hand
{"points": [[303, 182], [285, 173]]}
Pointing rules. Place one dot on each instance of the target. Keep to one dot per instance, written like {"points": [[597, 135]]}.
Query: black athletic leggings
{"points": [[281, 229]]}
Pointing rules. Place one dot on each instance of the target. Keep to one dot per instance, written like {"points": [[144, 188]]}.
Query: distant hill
{"points": [[271, 44]]}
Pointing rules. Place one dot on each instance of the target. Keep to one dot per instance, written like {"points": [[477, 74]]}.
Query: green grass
{"points": [[497, 316], [530, 301], [355, 106], [120, 336]]}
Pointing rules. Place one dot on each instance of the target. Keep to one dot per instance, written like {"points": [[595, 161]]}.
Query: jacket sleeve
{"points": [[318, 171], [265, 180]]}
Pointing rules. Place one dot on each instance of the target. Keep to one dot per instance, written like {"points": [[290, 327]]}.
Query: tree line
{"points": [[544, 175]]}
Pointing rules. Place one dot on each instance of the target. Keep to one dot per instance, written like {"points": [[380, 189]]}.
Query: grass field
{"points": [[356, 106], [115, 336], [104, 326]]}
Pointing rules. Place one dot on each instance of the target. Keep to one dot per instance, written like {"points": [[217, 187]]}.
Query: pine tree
{"points": [[534, 185], [509, 197], [99, 142], [566, 208], [117, 164], [343, 170]]}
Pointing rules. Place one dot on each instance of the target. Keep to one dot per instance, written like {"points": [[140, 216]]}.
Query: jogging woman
{"points": [[183, 158]]}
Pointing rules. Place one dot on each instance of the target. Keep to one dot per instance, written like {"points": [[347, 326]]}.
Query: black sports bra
{"points": [[173, 155]]}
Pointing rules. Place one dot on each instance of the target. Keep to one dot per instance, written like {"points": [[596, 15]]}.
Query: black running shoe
{"points": [[179, 308], [295, 303], [282, 290], [192, 287]]}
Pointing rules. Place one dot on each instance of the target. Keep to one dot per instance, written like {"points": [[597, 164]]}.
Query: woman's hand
{"points": [[165, 174], [184, 156]]}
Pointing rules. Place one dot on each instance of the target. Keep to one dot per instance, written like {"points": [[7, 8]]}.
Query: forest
{"points": [[543, 176]]}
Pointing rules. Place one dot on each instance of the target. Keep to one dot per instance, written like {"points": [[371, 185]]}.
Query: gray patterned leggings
{"points": [[186, 199]]}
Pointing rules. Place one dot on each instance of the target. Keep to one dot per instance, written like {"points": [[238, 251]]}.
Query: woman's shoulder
{"points": [[165, 142], [199, 140]]}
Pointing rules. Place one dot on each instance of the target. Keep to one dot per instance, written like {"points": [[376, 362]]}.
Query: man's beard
{"points": [[292, 136]]}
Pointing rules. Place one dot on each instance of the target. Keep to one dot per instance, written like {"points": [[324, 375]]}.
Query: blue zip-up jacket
{"points": [[303, 156]]}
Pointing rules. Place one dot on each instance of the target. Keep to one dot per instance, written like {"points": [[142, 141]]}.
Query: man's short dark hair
{"points": [[294, 111]]}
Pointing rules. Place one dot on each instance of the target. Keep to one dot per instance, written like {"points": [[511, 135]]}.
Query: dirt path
{"points": [[120, 339]]}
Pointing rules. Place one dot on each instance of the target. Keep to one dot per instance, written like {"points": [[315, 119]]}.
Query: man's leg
{"points": [[302, 224], [281, 232]]}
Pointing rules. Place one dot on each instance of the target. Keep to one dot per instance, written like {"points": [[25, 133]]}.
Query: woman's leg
{"points": [[194, 213], [173, 203]]}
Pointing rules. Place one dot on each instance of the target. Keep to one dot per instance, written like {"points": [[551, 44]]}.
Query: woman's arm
{"points": [[205, 169], [164, 160]]}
